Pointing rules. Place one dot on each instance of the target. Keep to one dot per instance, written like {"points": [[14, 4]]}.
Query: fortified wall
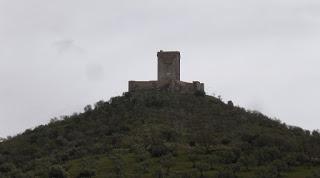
{"points": [[168, 76]]}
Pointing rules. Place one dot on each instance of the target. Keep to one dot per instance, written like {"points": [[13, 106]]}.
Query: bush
{"points": [[280, 165], [87, 173], [227, 157], [247, 161], [200, 93], [7, 167], [167, 162], [57, 172], [267, 172], [267, 154], [226, 173], [202, 167], [158, 150], [315, 174]]}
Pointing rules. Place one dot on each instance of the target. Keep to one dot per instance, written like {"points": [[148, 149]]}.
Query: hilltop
{"points": [[162, 134]]}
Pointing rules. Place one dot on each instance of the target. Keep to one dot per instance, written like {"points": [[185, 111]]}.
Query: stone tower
{"points": [[168, 77], [168, 65]]}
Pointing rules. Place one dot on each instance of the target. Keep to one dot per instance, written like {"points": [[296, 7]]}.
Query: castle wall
{"points": [[168, 77], [142, 85], [165, 85], [185, 87]]}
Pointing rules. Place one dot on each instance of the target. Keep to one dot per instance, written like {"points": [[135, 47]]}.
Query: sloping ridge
{"points": [[162, 134]]}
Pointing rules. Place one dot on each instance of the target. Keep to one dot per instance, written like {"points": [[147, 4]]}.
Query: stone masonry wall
{"points": [[168, 65], [168, 76], [173, 86]]}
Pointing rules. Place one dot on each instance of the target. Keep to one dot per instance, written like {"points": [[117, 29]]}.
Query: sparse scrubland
{"points": [[162, 135]]}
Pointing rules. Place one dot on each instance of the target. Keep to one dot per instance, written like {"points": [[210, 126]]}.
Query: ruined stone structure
{"points": [[168, 65], [168, 76]]}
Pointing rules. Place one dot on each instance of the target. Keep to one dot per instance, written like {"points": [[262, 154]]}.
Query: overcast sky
{"points": [[58, 56]]}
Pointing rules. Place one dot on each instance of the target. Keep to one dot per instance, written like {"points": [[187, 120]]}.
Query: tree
{"points": [[88, 108], [267, 172], [193, 158], [7, 167], [158, 150], [247, 161], [57, 172], [86, 173], [226, 173], [212, 159], [167, 162], [118, 167], [158, 173], [202, 167], [205, 139], [315, 174]]}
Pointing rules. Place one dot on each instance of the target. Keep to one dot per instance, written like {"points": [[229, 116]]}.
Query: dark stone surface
{"points": [[168, 76], [168, 65]]}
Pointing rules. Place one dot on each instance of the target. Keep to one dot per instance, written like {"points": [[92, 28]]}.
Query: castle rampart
{"points": [[168, 77]]}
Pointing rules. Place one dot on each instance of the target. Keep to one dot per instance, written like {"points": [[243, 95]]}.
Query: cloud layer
{"points": [[58, 56]]}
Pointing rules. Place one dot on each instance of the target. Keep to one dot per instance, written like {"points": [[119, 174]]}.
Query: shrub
{"points": [[227, 157], [158, 150], [199, 93], [57, 172], [315, 174], [87, 173], [267, 172], [202, 167], [226, 173], [7, 167]]}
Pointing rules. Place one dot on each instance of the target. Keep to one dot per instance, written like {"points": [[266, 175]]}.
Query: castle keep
{"points": [[168, 76], [168, 65]]}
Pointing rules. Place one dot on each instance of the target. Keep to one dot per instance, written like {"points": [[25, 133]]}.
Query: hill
{"points": [[161, 134]]}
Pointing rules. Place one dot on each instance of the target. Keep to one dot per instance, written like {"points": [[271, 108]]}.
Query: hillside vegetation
{"points": [[162, 135]]}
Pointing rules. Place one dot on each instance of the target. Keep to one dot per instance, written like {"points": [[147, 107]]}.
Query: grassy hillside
{"points": [[160, 134]]}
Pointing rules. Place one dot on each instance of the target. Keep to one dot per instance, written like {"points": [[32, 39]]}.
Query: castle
{"points": [[168, 77]]}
